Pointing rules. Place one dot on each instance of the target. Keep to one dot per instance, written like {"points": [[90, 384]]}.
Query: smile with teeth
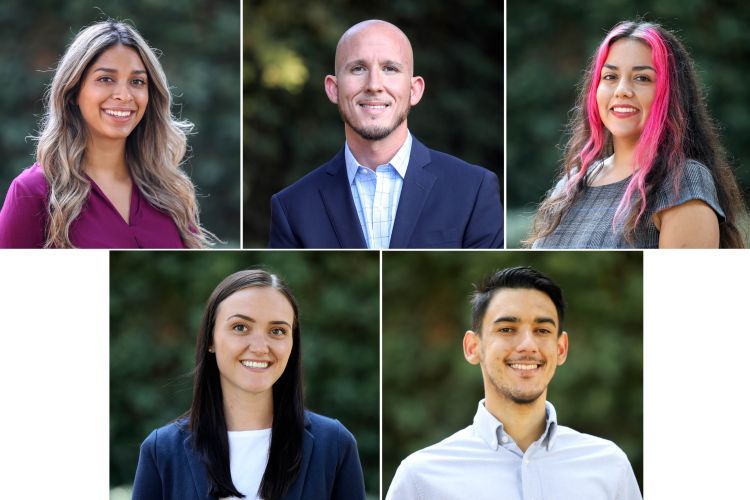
{"points": [[524, 366], [118, 114], [624, 109], [254, 364], [374, 106]]}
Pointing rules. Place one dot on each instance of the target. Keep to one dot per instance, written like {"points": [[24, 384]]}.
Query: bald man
{"points": [[385, 189]]}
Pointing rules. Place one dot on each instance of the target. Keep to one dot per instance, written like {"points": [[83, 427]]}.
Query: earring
{"points": [[210, 349]]}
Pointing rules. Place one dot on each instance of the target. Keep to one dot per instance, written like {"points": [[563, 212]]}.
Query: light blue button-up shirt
{"points": [[483, 462], [376, 193]]}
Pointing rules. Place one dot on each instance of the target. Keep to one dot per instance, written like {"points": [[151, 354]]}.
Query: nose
{"points": [[257, 344], [121, 92], [624, 88], [375, 81], [526, 342]]}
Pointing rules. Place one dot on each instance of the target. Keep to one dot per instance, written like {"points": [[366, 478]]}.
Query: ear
{"points": [[471, 347], [562, 348], [417, 90], [332, 88]]}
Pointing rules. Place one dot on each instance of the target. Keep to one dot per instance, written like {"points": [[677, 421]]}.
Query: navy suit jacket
{"points": [[445, 203], [169, 467]]}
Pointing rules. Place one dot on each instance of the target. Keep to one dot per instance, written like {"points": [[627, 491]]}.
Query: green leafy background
{"points": [[549, 46], [157, 300], [430, 391], [200, 45]]}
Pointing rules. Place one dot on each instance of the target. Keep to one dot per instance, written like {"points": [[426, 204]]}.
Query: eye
{"points": [[543, 331], [278, 331], [642, 78], [609, 76], [506, 329], [105, 79], [138, 82], [390, 69], [357, 69], [240, 328]]}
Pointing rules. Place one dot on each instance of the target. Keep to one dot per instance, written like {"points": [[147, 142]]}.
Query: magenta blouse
{"points": [[24, 217]]}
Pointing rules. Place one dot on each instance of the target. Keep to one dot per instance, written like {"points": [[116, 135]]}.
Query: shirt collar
{"points": [[399, 162], [490, 429]]}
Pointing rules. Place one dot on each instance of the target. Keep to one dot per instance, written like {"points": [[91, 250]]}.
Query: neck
{"points": [[106, 160], [370, 154], [245, 412], [623, 159], [525, 423]]}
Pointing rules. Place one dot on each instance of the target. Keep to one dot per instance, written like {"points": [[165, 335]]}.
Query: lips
{"points": [[525, 366], [373, 107], [255, 364], [119, 115], [624, 111]]}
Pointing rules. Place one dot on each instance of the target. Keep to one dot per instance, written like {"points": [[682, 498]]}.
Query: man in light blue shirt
{"points": [[385, 189], [515, 449]]}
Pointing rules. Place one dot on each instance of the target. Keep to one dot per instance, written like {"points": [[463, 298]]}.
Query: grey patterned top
{"points": [[588, 223]]}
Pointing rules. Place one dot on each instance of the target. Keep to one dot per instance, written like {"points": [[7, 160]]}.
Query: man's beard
{"points": [[376, 133], [521, 398]]}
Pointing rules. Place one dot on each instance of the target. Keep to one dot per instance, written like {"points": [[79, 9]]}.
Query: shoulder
{"points": [[453, 166], [445, 449], [694, 182], [325, 428], [588, 445], [167, 439], [31, 182], [313, 180]]}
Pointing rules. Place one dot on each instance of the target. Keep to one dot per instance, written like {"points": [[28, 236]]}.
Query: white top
{"points": [[248, 457], [483, 462]]}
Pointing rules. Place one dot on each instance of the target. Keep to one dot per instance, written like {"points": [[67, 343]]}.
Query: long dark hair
{"points": [[207, 422], [679, 128]]}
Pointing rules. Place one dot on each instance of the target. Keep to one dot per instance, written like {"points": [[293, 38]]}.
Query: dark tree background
{"points": [[200, 45], [290, 127], [549, 46], [157, 300], [430, 391]]}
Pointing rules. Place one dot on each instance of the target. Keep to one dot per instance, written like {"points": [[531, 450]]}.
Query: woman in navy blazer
{"points": [[248, 377]]}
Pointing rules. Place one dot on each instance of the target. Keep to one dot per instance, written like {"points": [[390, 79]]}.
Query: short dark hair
{"points": [[207, 421], [514, 277]]}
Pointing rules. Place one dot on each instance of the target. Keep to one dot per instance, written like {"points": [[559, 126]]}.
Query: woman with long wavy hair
{"points": [[644, 167], [107, 171], [247, 433]]}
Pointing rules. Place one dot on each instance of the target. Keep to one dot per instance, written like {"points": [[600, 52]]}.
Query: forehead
{"points": [[257, 302], [522, 303], [629, 51], [119, 55], [375, 42]]}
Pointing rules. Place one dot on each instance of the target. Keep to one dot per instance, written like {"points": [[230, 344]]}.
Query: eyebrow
{"points": [[251, 320], [112, 70], [635, 68], [362, 62], [515, 319]]}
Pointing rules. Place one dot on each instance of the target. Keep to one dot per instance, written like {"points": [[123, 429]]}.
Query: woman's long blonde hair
{"points": [[153, 151]]}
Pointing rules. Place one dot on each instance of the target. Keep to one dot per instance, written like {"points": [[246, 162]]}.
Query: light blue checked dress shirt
{"points": [[376, 193], [482, 462]]}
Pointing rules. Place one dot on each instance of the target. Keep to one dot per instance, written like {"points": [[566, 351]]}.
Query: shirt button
{"points": [[504, 439], [526, 460]]}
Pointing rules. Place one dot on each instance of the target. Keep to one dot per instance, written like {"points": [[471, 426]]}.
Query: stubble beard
{"points": [[376, 133], [518, 397]]}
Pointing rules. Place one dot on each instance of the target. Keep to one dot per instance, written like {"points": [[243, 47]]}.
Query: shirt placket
{"points": [[380, 208]]}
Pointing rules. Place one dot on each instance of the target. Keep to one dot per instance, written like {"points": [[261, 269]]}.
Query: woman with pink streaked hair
{"points": [[644, 167]]}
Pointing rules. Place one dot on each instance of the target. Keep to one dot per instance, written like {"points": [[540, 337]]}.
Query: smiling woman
{"points": [[644, 167], [108, 171], [247, 433]]}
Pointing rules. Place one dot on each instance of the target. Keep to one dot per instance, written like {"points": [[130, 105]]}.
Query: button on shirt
{"points": [[483, 462], [376, 193]]}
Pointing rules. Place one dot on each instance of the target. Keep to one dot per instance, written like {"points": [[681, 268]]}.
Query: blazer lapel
{"points": [[337, 199], [308, 441], [197, 469], [417, 185]]}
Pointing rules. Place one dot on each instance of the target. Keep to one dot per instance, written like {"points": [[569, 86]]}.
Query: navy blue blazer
{"points": [[445, 203], [169, 467]]}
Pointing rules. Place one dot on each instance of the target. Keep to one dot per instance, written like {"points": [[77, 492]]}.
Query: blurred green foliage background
{"points": [[430, 391], [157, 300], [290, 127], [200, 45], [549, 44]]}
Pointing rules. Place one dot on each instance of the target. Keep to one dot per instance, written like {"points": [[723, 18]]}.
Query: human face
{"points": [[252, 341], [518, 347], [114, 94], [627, 86], [373, 87]]}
